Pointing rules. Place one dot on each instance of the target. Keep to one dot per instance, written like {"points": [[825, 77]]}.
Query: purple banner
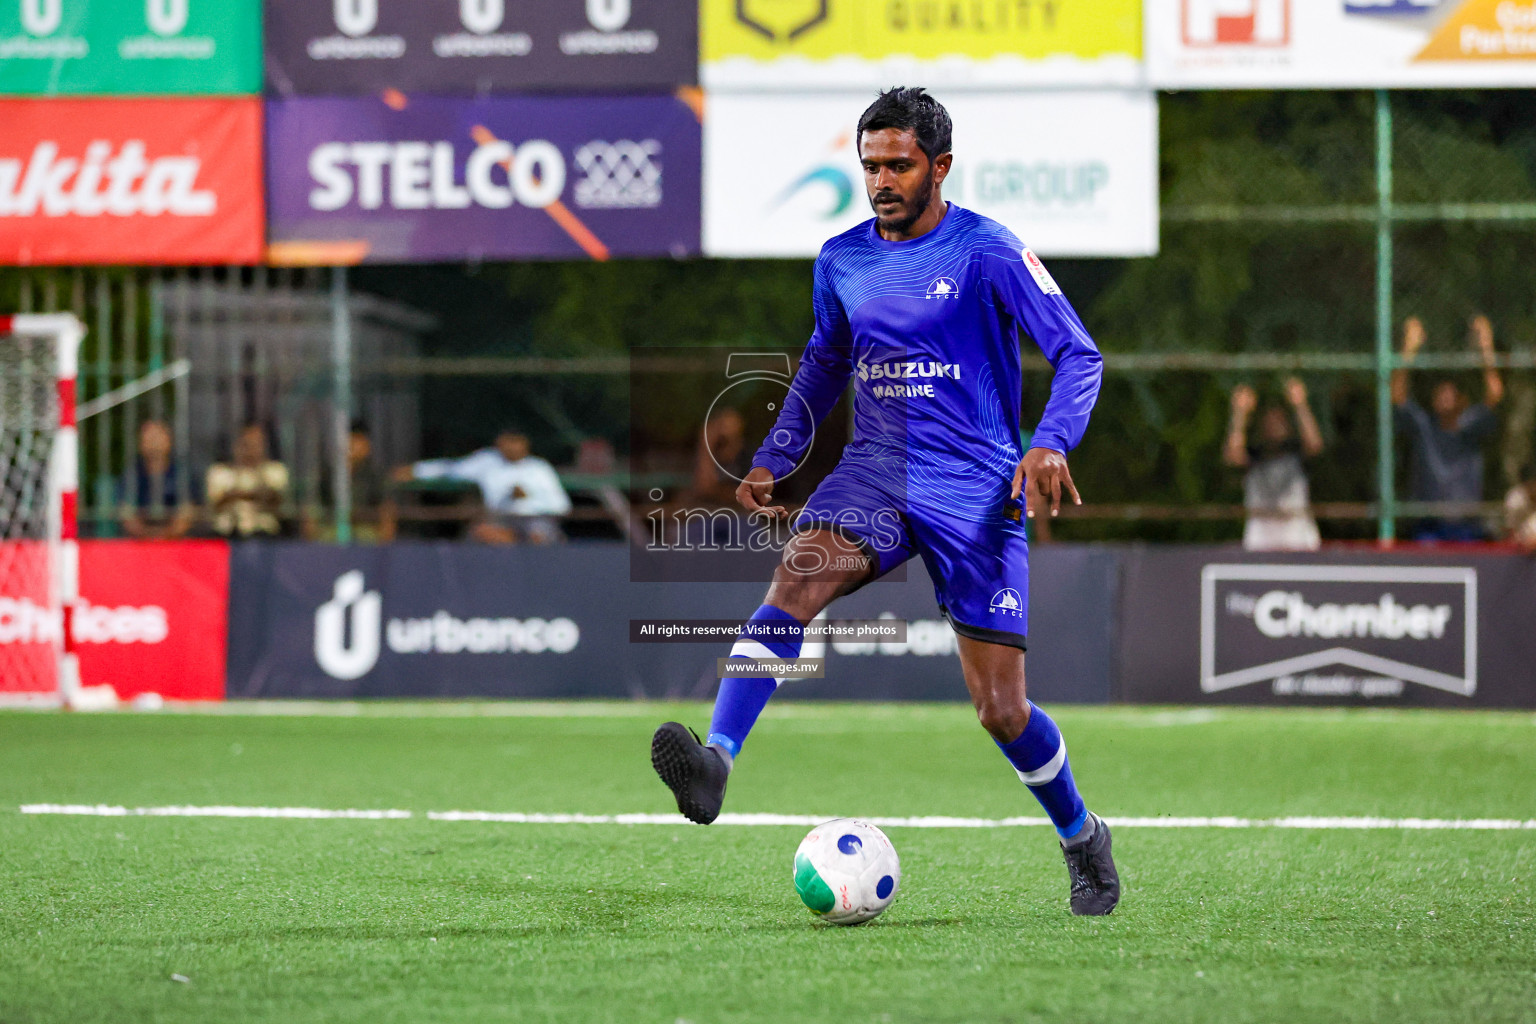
{"points": [[413, 179], [334, 47]]}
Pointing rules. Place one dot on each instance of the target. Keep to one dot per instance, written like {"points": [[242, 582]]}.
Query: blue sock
{"points": [[1039, 755], [770, 632]]}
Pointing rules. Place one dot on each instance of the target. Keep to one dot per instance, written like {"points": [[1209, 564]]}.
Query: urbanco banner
{"points": [[817, 44], [414, 178], [1071, 173], [1289, 44], [415, 619], [130, 47], [130, 181], [349, 47]]}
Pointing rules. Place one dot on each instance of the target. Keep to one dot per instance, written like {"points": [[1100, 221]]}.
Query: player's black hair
{"points": [[910, 110]]}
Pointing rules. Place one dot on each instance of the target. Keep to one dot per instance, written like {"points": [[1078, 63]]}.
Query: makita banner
{"points": [[400, 179], [339, 47], [130, 181], [130, 47], [454, 620], [1222, 625], [151, 619]]}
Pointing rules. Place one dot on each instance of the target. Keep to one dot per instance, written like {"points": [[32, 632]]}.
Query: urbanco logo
{"points": [[361, 610]]}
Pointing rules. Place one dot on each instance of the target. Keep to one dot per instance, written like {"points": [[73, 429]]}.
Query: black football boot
{"points": [[696, 774]]}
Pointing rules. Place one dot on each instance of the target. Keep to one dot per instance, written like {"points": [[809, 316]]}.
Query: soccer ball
{"points": [[846, 871]]}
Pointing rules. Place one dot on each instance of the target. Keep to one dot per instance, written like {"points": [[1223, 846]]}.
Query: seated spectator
{"points": [[1275, 489], [523, 496], [374, 513], [155, 499], [1520, 511], [1447, 441], [248, 495]]}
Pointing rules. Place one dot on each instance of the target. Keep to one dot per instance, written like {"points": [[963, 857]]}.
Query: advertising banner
{"points": [[1071, 173], [816, 44], [130, 181], [1214, 625], [130, 47], [1289, 44], [431, 178], [351, 47], [454, 620], [153, 617]]}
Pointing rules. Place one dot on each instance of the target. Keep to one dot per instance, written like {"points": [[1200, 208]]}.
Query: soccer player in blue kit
{"points": [[922, 306]]}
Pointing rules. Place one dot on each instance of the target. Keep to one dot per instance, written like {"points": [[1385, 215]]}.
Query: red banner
{"points": [[153, 617], [130, 181]]}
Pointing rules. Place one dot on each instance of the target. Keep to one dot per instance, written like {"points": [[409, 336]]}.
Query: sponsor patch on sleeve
{"points": [[1042, 276]]}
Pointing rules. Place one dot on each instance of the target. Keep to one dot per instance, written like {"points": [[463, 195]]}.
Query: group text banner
{"points": [[130, 47], [1071, 173], [130, 181], [343, 47], [1289, 44], [413, 179], [817, 44]]}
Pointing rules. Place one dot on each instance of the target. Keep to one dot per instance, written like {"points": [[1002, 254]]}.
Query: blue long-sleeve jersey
{"points": [[929, 327]]}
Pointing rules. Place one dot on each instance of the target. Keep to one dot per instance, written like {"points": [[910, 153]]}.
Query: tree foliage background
{"points": [[1273, 280]]}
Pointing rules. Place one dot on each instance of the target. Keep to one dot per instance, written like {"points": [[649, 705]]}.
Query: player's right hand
{"points": [[756, 490]]}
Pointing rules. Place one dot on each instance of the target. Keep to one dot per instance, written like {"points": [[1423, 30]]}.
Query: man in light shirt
{"points": [[523, 495]]}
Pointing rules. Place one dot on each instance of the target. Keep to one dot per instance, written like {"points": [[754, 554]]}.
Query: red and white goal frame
{"points": [[39, 487]]}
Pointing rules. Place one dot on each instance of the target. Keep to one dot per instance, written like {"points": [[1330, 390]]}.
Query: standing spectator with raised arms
{"points": [[1447, 440], [1275, 489]]}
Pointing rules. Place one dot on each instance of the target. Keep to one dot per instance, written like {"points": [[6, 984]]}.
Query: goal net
{"points": [[38, 469]]}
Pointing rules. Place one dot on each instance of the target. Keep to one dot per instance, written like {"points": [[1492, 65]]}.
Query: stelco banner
{"points": [[137, 47], [815, 44], [318, 47], [130, 181], [419, 178], [1071, 173], [1287, 44], [1221, 625]]}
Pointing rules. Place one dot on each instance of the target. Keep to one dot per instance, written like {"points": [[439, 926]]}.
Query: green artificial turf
{"points": [[419, 920]]}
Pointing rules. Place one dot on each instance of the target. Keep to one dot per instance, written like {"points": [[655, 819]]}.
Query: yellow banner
{"points": [[1486, 30], [1030, 30]]}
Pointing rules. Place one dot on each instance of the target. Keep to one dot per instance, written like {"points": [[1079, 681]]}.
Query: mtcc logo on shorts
{"points": [[1008, 602]]}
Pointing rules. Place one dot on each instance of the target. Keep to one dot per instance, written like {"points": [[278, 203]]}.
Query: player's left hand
{"points": [[1041, 476]]}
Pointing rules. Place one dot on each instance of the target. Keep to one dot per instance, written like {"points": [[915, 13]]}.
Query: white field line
{"points": [[759, 820], [115, 811]]}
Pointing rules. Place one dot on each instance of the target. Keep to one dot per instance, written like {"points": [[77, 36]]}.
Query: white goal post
{"points": [[39, 484]]}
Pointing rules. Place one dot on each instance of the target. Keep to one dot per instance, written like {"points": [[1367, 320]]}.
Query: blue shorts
{"points": [[980, 570]]}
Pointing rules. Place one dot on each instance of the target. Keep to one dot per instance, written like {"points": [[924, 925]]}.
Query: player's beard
{"points": [[918, 205]]}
